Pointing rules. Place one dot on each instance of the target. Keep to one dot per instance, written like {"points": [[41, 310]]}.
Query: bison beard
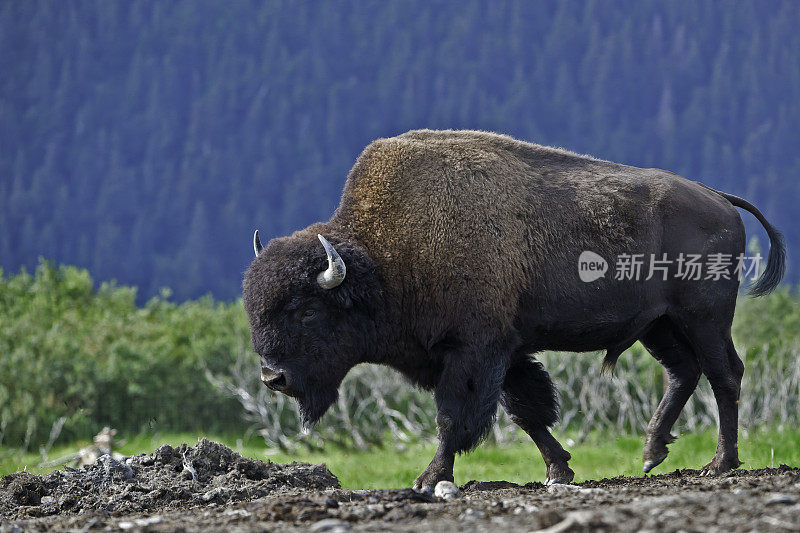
{"points": [[313, 404], [452, 258]]}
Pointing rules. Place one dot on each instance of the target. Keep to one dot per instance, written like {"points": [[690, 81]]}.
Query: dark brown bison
{"points": [[453, 256]]}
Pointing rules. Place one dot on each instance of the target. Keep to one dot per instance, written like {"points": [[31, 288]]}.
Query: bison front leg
{"points": [[466, 402], [530, 399]]}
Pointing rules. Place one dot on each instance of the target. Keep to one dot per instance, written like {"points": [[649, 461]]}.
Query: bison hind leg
{"points": [[667, 344], [530, 399], [724, 369]]}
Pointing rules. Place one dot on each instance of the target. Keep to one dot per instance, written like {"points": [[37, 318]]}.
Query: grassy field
{"points": [[387, 467]]}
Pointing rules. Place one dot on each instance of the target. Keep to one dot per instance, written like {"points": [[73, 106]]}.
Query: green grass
{"points": [[595, 458]]}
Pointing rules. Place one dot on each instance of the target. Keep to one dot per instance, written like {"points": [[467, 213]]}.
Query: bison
{"points": [[453, 257]]}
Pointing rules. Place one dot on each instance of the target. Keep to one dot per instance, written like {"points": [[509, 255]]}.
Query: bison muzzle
{"points": [[453, 257]]}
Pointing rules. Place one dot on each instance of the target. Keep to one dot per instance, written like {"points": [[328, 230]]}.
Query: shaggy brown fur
{"points": [[462, 251]]}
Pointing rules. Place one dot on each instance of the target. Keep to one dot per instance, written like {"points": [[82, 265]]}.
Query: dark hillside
{"points": [[145, 140]]}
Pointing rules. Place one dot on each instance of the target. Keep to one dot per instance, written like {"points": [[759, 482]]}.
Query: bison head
{"points": [[313, 307]]}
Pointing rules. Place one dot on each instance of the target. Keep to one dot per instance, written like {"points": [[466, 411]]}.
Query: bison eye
{"points": [[308, 316]]}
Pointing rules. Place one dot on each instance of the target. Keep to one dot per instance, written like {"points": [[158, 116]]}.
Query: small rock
{"points": [[115, 469], [376, 508], [527, 509], [774, 499], [330, 525], [470, 515], [139, 522], [240, 513], [46, 500], [446, 490], [561, 488], [213, 494]]}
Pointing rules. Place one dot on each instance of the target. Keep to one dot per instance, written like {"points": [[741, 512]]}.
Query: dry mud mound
{"points": [[210, 488], [169, 478]]}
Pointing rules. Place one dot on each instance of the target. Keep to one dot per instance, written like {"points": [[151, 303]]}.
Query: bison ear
{"points": [[344, 299], [257, 244], [363, 291]]}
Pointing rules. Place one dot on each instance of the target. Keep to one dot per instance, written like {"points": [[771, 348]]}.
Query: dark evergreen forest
{"points": [[146, 140]]}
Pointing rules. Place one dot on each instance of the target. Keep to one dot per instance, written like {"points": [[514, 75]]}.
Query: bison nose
{"points": [[274, 380]]}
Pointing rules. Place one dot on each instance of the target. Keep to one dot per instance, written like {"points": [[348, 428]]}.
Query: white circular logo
{"points": [[591, 266]]}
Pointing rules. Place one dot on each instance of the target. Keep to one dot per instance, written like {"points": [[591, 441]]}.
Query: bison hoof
{"points": [[424, 489], [559, 473], [652, 463], [720, 466], [427, 481], [655, 450]]}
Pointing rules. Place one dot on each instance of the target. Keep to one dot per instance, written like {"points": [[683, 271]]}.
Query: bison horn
{"points": [[257, 244], [334, 275]]}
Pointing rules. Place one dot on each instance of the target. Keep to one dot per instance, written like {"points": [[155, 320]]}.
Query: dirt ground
{"points": [[210, 487]]}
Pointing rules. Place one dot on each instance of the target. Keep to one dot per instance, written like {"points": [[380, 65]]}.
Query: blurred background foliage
{"points": [[94, 357], [146, 140], [86, 357]]}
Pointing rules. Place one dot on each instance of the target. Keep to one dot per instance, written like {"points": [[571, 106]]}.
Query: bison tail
{"points": [[776, 260]]}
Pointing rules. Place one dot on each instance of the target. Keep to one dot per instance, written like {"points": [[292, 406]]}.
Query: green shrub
{"points": [[90, 355]]}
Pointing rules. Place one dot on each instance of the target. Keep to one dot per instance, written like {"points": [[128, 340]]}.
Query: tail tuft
{"points": [[776, 264], [776, 260]]}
